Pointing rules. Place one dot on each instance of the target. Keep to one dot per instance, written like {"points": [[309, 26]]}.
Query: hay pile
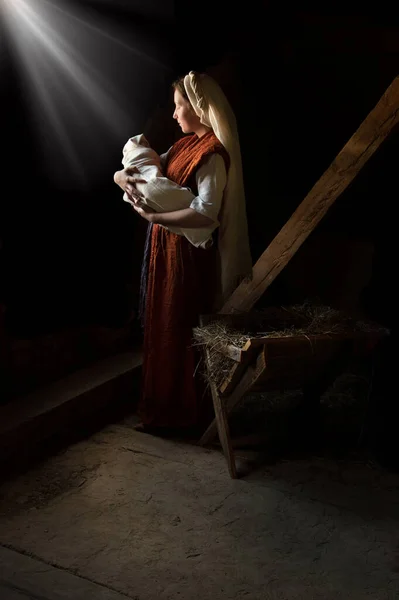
{"points": [[310, 320]]}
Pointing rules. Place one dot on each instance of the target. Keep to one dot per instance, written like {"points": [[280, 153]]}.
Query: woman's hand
{"points": [[127, 179], [144, 211], [120, 177], [133, 194]]}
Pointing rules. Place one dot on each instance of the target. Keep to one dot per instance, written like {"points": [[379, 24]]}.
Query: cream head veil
{"points": [[213, 109]]}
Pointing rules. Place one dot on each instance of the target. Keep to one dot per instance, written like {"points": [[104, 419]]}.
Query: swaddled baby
{"points": [[159, 192]]}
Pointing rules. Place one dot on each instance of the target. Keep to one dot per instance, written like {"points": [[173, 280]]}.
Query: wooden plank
{"points": [[247, 381], [240, 354], [222, 426], [66, 408], [269, 320], [347, 164], [290, 362], [221, 423], [233, 352], [248, 353], [52, 397], [232, 378], [243, 355]]}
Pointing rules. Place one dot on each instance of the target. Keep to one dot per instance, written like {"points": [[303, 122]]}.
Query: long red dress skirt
{"points": [[180, 287]]}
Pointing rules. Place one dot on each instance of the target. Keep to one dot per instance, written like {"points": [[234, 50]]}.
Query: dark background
{"points": [[301, 80]]}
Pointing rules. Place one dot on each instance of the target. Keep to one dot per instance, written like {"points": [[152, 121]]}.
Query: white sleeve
{"points": [[211, 180]]}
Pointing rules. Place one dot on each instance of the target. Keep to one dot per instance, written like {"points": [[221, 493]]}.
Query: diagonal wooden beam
{"points": [[332, 183]]}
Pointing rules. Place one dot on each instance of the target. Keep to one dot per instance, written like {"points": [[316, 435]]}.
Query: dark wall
{"points": [[71, 252], [307, 82], [300, 84]]}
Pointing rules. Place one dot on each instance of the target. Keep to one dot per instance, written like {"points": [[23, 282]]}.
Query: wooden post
{"points": [[222, 426], [333, 182], [228, 403]]}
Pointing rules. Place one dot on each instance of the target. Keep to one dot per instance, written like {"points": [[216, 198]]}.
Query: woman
{"points": [[183, 281]]}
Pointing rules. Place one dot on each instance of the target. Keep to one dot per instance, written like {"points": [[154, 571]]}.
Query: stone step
{"points": [[68, 408], [29, 363]]}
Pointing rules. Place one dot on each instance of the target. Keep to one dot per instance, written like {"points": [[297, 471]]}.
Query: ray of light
{"points": [[73, 76]]}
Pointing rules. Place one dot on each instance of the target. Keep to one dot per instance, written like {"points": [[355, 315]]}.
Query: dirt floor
{"points": [[123, 514]]}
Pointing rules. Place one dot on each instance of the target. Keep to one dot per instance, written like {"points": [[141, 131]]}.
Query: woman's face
{"points": [[185, 115]]}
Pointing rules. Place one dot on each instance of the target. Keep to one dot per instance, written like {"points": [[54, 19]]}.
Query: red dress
{"points": [[180, 286]]}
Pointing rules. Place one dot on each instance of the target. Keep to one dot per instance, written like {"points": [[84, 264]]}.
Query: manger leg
{"points": [[223, 431]]}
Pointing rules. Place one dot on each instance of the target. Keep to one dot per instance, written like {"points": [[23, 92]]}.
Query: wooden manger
{"points": [[279, 354], [307, 360]]}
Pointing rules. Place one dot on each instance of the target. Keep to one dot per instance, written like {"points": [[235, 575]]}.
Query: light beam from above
{"points": [[75, 76]]}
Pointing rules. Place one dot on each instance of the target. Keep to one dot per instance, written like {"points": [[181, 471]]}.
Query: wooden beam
{"points": [[347, 164], [233, 352], [248, 354], [249, 378], [240, 354], [222, 425]]}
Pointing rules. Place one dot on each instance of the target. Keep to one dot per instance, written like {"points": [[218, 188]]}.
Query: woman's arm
{"points": [[204, 209], [187, 217]]}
